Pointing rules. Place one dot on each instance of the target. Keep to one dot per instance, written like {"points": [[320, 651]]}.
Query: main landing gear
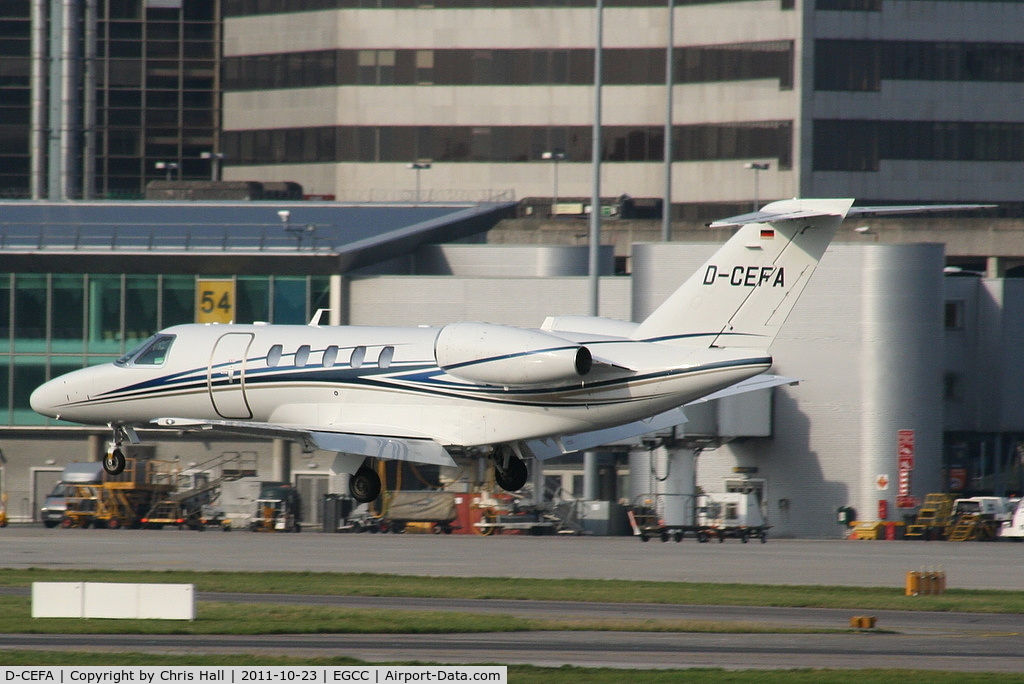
{"points": [[510, 472], [364, 485]]}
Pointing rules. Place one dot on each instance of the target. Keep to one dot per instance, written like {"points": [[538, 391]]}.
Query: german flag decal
{"points": [[767, 234]]}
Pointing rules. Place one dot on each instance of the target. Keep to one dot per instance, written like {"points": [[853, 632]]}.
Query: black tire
{"points": [[365, 485], [512, 477], [114, 462]]}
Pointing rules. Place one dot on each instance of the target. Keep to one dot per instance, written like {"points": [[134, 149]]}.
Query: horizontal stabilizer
{"points": [[916, 209], [768, 216], [414, 450]]}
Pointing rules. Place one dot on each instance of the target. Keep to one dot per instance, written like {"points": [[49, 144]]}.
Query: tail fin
{"points": [[743, 294]]}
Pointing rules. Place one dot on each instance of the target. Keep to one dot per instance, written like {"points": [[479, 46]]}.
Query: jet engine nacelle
{"points": [[502, 355]]}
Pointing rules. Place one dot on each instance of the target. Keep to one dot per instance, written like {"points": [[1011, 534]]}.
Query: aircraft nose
{"points": [[47, 397]]}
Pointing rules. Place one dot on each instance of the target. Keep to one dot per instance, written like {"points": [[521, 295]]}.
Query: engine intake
{"points": [[502, 355]]}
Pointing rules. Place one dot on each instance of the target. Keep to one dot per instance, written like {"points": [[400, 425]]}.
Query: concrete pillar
{"points": [[901, 385], [590, 476], [678, 488], [667, 478], [537, 477], [96, 447], [281, 467], [995, 267], [336, 300]]}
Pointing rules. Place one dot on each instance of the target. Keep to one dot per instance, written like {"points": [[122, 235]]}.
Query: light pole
{"points": [[215, 159], [418, 166], [168, 167], [757, 168], [554, 157]]}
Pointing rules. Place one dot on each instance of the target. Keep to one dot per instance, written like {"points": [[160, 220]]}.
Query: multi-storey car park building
{"points": [[889, 101], [885, 100]]}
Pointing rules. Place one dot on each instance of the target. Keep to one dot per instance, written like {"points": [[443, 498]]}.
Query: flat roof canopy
{"points": [[217, 237]]}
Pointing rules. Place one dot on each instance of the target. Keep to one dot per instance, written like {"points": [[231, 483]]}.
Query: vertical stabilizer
{"points": [[742, 295]]}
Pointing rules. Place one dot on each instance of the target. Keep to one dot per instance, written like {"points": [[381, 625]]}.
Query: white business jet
{"points": [[421, 394]]}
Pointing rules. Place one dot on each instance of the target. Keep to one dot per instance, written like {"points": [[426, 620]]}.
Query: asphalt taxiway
{"points": [[968, 565]]}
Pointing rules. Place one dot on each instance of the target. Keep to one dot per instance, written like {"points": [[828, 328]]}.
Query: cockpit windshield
{"points": [[152, 352]]}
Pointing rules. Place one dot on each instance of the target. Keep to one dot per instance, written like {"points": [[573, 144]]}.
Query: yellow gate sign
{"points": [[215, 301]]}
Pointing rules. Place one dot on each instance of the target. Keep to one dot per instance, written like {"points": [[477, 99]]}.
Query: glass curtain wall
{"points": [[54, 323]]}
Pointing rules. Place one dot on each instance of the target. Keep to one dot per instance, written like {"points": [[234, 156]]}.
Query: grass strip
{"points": [[233, 618], [608, 591]]}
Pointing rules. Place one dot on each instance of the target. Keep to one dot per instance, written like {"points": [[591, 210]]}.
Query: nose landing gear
{"points": [[114, 462]]}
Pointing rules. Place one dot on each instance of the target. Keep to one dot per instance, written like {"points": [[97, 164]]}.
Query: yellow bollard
{"points": [[925, 582], [913, 583]]}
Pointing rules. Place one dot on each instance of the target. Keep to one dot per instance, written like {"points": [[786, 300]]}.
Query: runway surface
{"points": [[963, 642]]}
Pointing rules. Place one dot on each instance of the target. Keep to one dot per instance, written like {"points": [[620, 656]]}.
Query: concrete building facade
{"points": [[895, 101]]}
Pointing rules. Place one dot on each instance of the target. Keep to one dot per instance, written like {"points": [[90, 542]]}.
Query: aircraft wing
{"points": [[411, 449], [557, 446], [758, 382]]}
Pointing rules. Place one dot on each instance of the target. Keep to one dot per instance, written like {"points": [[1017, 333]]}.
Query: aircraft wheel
{"points": [[365, 485], [513, 476], [115, 462]]}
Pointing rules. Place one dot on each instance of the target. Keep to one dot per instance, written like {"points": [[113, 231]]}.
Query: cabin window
{"points": [[274, 356], [387, 354], [330, 356], [302, 356], [358, 355]]}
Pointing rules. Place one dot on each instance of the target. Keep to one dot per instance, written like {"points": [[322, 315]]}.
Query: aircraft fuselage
{"points": [[387, 381]]}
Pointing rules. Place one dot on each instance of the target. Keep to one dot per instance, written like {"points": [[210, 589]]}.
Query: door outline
{"points": [[227, 366]]}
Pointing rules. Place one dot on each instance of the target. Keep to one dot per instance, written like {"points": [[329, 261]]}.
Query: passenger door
{"points": [[226, 375]]}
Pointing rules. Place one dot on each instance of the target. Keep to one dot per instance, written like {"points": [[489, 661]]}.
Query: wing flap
{"points": [[758, 382], [558, 446], [412, 449]]}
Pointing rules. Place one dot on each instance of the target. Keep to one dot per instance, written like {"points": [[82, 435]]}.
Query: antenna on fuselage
{"points": [[315, 321]]}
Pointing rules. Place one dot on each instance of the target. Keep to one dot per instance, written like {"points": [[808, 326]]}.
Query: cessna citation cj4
{"points": [[422, 394]]}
